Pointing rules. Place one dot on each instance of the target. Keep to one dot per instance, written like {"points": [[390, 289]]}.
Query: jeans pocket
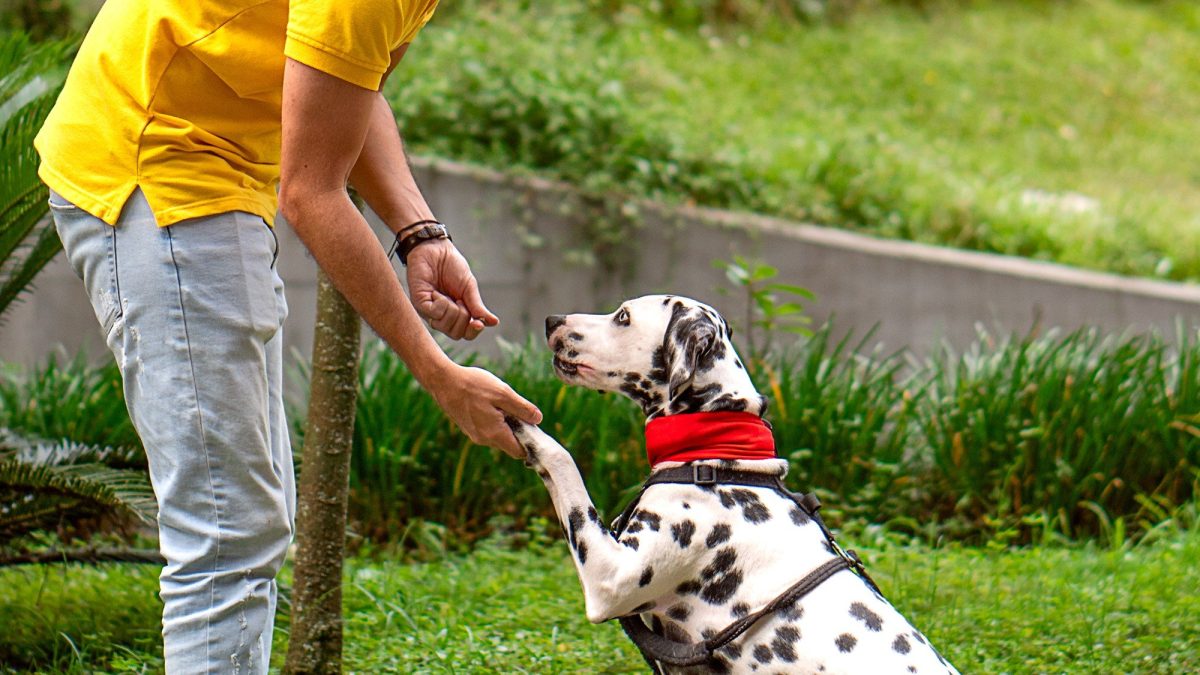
{"points": [[91, 248]]}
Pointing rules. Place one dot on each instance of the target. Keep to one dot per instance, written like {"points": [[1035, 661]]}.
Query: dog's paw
{"points": [[524, 433]]}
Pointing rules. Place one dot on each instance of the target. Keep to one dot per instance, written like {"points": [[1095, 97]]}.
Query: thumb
{"points": [[476, 307], [514, 404]]}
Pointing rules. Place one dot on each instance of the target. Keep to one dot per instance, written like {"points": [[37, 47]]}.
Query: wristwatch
{"points": [[431, 231]]}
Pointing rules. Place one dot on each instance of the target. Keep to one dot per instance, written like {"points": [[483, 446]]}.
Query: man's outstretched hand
{"points": [[478, 401], [444, 291]]}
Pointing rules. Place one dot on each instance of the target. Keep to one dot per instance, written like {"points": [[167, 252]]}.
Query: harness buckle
{"points": [[703, 474]]}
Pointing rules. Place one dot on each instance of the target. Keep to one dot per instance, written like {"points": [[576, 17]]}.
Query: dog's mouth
{"points": [[570, 368]]}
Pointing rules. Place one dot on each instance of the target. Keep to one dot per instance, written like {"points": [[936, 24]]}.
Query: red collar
{"points": [[708, 435]]}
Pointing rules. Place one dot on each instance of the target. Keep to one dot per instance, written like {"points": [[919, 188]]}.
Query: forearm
{"points": [[343, 244], [382, 175]]}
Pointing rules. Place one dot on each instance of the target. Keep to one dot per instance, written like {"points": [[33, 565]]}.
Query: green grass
{"points": [[934, 126], [990, 610]]}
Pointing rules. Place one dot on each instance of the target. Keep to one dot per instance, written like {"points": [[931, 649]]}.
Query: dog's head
{"points": [[668, 353]]}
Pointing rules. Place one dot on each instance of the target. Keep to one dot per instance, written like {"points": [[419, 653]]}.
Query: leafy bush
{"points": [[1063, 432], [1018, 439], [550, 90]]}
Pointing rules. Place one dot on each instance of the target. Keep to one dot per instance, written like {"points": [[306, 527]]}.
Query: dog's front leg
{"points": [[618, 578]]}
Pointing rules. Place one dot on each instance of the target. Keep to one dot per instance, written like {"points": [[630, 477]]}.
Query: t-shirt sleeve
{"points": [[349, 39]]}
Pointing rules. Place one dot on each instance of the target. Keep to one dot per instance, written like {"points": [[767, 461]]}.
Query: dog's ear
{"points": [[691, 340]]}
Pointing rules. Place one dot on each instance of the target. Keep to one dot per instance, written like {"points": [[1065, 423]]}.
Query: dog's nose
{"points": [[554, 321]]}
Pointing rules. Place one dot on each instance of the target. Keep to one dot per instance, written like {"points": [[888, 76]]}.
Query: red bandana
{"points": [[708, 435]]}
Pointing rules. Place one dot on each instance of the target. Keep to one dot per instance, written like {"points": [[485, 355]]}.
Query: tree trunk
{"points": [[315, 645]]}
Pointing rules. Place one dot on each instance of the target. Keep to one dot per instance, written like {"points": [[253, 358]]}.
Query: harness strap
{"points": [[675, 653]]}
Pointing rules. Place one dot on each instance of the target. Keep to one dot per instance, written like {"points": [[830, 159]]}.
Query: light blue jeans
{"points": [[193, 314]]}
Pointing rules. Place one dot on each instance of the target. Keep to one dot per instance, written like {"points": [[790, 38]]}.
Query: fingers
{"points": [[475, 305], [449, 317]]}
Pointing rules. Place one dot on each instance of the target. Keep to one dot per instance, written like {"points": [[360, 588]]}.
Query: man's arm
{"points": [[325, 124], [440, 282]]}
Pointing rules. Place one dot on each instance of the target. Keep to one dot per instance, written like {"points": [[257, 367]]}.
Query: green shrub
{"points": [[72, 400], [1019, 439], [1064, 433]]}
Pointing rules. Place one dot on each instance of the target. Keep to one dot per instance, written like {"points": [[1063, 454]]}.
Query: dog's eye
{"points": [[622, 317]]}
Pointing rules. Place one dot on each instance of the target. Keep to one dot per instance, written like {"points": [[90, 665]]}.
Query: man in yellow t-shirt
{"points": [[179, 124]]}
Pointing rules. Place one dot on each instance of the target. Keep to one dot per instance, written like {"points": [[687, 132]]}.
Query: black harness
{"points": [[656, 648]]}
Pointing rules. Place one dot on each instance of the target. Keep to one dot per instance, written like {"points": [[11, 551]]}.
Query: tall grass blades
{"points": [[841, 418], [1050, 431], [68, 400]]}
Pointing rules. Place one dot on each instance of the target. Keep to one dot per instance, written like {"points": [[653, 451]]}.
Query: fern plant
{"points": [[33, 74], [68, 489], [52, 493]]}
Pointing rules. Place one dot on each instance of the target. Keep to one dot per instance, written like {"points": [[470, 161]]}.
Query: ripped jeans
{"points": [[193, 314]]}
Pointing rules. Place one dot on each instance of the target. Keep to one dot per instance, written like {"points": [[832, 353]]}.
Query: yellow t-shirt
{"points": [[182, 97]]}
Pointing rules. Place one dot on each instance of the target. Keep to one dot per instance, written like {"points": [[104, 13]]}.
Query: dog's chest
{"points": [[733, 550]]}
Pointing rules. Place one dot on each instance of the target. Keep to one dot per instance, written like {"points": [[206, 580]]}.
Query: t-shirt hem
{"points": [[329, 60], [212, 207], [81, 198]]}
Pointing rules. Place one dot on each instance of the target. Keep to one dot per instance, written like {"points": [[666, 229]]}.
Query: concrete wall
{"points": [[519, 235]]}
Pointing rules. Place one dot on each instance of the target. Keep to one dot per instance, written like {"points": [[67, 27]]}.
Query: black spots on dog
{"points": [[581, 551], [647, 398], [722, 588], [695, 400], [651, 519], [733, 650], [739, 610], [633, 527], [680, 612], [631, 542], [691, 587], [753, 509], [793, 611], [726, 499], [845, 643], [574, 521], [682, 533], [912, 669], [763, 654], [723, 579], [594, 516], [721, 564], [920, 638], [614, 373], [658, 366], [728, 403], [901, 645], [686, 506], [862, 613], [644, 607], [647, 576], [784, 643], [799, 517], [763, 404], [719, 535], [707, 633]]}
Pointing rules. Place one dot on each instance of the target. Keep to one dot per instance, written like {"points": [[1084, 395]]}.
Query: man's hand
{"points": [[444, 291], [477, 402]]}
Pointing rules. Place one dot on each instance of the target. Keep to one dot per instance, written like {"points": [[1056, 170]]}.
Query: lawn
{"points": [[505, 609], [1057, 130]]}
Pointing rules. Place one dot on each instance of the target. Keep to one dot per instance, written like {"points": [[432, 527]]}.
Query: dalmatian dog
{"points": [[691, 559]]}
